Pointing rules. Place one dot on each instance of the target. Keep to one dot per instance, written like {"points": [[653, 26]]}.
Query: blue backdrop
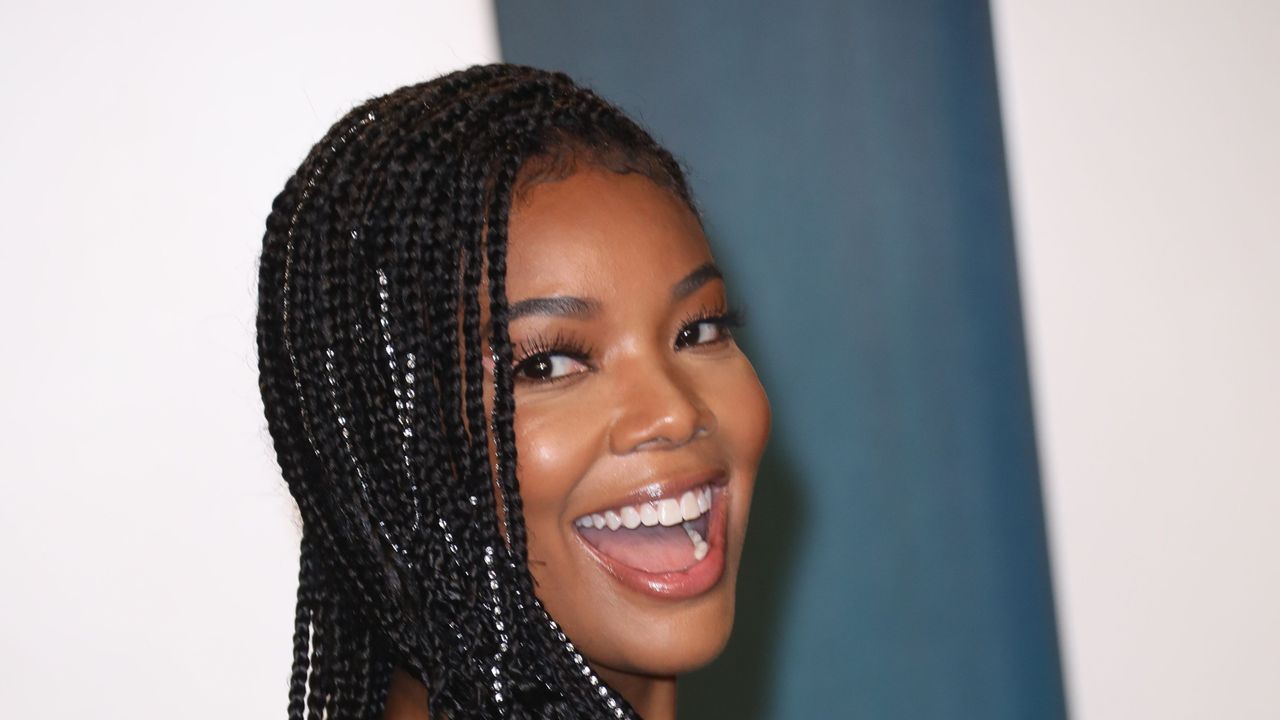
{"points": [[849, 160]]}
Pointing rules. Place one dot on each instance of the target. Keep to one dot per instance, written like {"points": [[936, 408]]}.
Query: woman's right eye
{"points": [[548, 367]]}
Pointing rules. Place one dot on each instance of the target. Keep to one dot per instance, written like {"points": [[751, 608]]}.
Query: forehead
{"points": [[600, 233]]}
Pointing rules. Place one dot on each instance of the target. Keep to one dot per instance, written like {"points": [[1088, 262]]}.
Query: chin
{"points": [[679, 641]]}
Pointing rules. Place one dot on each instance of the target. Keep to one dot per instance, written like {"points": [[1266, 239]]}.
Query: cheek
{"points": [[742, 413], [554, 449]]}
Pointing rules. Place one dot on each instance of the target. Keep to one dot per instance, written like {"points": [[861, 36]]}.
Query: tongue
{"points": [[655, 549]]}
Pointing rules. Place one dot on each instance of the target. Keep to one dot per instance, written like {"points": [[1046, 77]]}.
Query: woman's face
{"points": [[639, 422]]}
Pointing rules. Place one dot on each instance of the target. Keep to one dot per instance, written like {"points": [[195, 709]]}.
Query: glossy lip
{"points": [[692, 581]]}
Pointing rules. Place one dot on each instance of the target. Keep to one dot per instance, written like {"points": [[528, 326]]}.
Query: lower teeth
{"points": [[700, 546]]}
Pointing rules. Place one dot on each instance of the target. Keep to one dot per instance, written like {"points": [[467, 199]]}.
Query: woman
{"points": [[497, 366]]}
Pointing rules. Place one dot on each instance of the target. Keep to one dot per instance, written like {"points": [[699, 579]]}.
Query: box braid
{"points": [[414, 552]]}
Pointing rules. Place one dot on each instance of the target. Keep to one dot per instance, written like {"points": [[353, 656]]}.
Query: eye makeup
{"points": [[724, 318], [536, 357]]}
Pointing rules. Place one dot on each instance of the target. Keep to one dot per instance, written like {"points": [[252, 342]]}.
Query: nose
{"points": [[659, 409]]}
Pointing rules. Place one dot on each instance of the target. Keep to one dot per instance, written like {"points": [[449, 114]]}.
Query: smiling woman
{"points": [[498, 366]]}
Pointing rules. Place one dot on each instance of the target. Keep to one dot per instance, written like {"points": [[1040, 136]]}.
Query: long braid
{"points": [[414, 551], [301, 638]]}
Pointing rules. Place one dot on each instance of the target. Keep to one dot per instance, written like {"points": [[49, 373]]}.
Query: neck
{"points": [[653, 698]]}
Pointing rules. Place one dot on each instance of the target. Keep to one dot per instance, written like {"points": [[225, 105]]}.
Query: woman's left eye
{"points": [[702, 332]]}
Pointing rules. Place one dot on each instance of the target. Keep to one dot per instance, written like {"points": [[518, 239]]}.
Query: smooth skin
{"points": [[638, 384]]}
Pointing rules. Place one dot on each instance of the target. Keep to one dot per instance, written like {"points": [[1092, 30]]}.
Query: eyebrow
{"points": [[704, 274], [576, 307], [563, 305]]}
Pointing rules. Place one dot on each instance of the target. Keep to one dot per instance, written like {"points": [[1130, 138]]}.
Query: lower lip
{"points": [[684, 584]]}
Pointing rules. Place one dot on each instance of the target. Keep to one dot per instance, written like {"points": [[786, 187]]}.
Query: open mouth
{"points": [[667, 535]]}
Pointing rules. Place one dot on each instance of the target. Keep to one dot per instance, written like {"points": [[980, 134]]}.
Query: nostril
{"points": [[708, 424]]}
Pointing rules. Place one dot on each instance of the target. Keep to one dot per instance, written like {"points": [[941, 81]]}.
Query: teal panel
{"points": [[849, 160]]}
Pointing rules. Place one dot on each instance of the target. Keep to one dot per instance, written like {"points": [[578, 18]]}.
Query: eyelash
{"points": [[724, 318], [539, 347]]}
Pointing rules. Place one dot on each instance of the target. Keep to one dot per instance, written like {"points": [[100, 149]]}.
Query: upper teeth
{"points": [[667, 511]]}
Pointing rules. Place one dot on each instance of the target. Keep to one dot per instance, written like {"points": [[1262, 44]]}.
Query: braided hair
{"points": [[370, 343]]}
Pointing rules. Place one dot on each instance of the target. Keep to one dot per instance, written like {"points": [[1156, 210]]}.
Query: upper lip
{"points": [[670, 486]]}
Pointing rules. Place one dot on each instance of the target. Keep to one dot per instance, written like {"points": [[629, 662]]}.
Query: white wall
{"points": [[147, 556], [1145, 153]]}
